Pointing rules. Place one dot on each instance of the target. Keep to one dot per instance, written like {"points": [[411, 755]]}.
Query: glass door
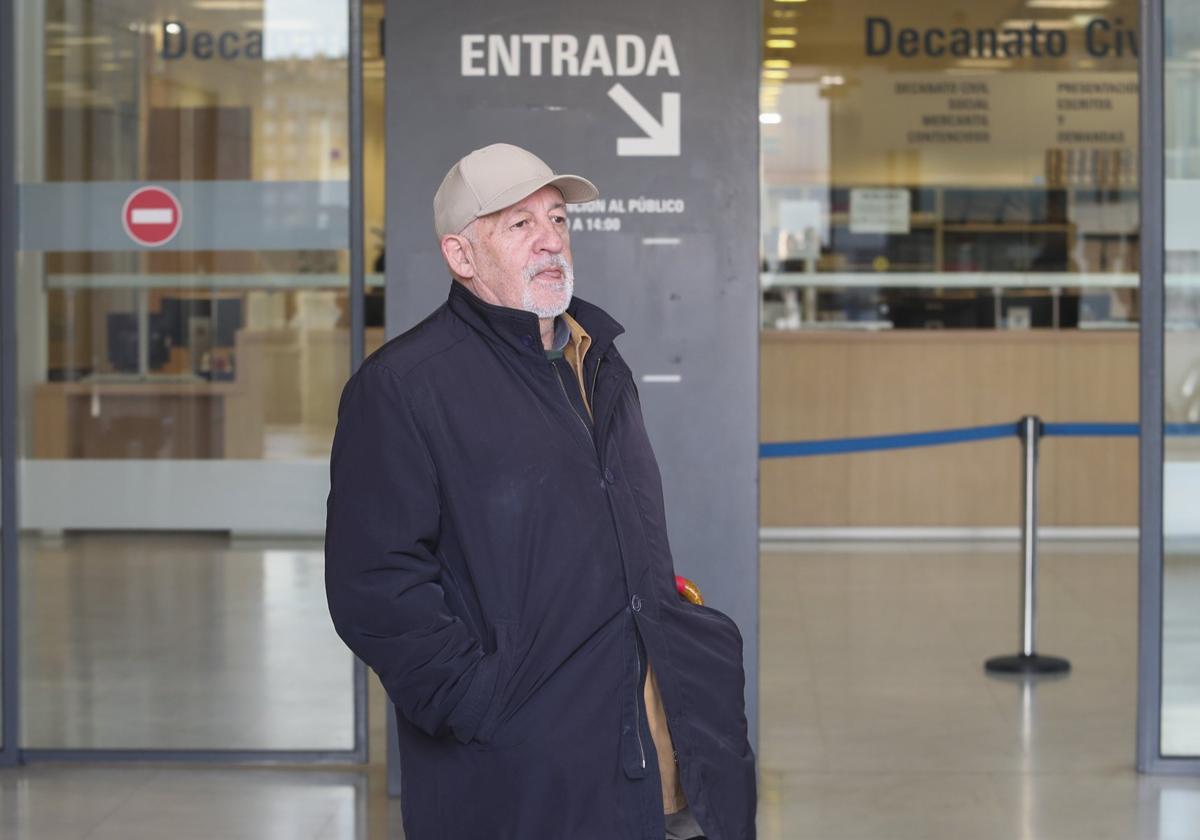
{"points": [[184, 334], [1179, 735]]}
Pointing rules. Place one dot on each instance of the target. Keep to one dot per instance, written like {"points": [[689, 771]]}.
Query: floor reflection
{"points": [[877, 721], [180, 641], [1181, 651]]}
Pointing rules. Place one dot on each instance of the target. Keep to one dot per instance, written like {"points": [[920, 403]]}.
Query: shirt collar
{"points": [[562, 333]]}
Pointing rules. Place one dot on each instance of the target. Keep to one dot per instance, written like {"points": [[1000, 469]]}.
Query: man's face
{"points": [[522, 255]]}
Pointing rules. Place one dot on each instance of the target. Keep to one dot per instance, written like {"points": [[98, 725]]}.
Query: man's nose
{"points": [[550, 238]]}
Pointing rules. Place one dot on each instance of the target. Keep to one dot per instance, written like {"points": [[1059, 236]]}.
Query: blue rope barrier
{"points": [[842, 446], [879, 443], [1089, 430]]}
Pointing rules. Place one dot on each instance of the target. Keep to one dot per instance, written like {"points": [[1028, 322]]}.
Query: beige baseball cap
{"points": [[492, 178]]}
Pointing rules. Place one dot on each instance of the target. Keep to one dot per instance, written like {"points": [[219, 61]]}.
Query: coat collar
{"points": [[519, 330]]}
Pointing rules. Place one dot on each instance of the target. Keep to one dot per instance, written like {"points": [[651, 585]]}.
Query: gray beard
{"points": [[556, 261]]}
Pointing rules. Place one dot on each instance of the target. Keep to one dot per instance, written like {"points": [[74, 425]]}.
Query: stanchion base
{"points": [[1034, 663]]}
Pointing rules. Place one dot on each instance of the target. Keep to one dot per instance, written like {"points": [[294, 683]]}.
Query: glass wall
{"points": [[950, 165], [184, 339], [949, 239], [1180, 720]]}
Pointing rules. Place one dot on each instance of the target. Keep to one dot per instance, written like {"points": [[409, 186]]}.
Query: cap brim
{"points": [[574, 189]]}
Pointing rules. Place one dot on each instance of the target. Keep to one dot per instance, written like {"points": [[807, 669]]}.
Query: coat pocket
{"points": [[506, 634], [707, 658]]}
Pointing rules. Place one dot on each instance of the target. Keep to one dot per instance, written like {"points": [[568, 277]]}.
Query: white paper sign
{"points": [[879, 211]]}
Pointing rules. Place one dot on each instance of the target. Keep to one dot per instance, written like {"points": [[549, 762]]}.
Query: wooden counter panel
{"points": [[832, 385], [284, 377]]}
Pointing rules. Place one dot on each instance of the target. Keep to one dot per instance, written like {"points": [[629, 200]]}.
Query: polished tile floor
{"points": [[180, 641], [877, 721], [1181, 650]]}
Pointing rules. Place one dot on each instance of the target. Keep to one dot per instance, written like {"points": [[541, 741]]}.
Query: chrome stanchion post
{"points": [[1028, 661], [1030, 434]]}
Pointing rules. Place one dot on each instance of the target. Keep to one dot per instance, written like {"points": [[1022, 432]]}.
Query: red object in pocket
{"points": [[688, 590]]}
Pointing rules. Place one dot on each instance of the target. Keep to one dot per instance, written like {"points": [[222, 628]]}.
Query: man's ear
{"points": [[456, 250]]}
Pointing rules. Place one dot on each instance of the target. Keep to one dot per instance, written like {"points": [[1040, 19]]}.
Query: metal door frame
{"points": [[1152, 186], [9, 643]]}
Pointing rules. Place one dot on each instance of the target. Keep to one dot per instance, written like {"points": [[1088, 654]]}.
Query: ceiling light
{"points": [[791, 1], [173, 28], [783, 30], [780, 43], [1048, 23], [283, 24], [81, 40], [228, 5], [984, 63], [1069, 4], [775, 74], [770, 119], [777, 63]]}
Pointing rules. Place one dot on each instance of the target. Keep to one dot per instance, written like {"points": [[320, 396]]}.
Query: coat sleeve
{"points": [[382, 575]]}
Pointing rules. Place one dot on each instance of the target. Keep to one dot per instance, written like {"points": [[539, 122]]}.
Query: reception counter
{"points": [[814, 385], [167, 417], [824, 384]]}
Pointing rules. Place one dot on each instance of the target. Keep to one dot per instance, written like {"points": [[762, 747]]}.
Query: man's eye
{"points": [[560, 220], [521, 223]]}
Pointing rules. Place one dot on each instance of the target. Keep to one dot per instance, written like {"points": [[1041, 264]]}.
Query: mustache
{"points": [[553, 261]]}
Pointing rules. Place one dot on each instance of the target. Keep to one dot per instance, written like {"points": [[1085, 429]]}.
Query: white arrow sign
{"points": [[662, 138]]}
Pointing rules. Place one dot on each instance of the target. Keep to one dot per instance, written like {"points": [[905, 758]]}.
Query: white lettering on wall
{"points": [[534, 55], [472, 50], [662, 56], [595, 57], [631, 55], [564, 48]]}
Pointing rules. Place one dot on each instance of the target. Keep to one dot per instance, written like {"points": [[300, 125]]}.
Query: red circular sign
{"points": [[151, 216]]}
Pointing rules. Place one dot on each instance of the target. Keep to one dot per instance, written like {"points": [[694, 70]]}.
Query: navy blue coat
{"points": [[507, 574]]}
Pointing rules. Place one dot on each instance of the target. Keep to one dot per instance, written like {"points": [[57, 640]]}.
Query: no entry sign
{"points": [[151, 216]]}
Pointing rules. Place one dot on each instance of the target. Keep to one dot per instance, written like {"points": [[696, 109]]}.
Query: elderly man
{"points": [[496, 550]]}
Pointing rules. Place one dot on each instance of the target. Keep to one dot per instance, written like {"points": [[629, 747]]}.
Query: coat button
{"points": [[608, 476], [527, 340], [636, 603]]}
